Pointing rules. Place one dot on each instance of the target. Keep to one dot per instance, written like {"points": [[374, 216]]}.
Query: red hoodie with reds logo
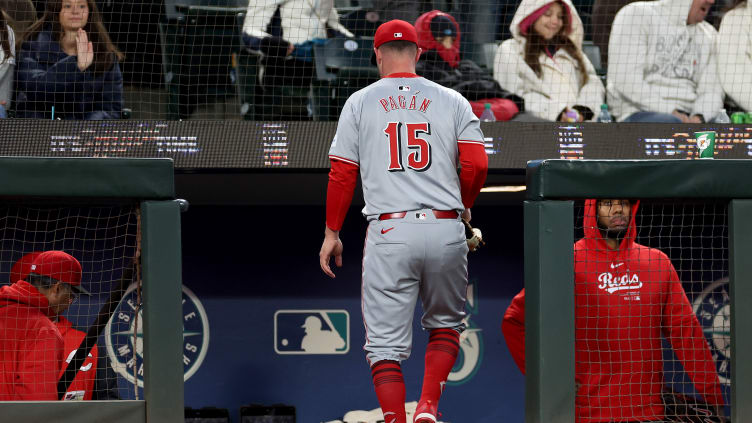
{"points": [[82, 386], [31, 348], [625, 299]]}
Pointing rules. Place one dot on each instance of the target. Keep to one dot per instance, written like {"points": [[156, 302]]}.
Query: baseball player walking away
{"points": [[406, 136]]}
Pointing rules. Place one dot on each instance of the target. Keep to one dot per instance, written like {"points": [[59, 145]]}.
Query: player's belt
{"points": [[440, 214]]}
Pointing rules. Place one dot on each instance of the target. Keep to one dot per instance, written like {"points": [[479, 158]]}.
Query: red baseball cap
{"points": [[21, 268], [60, 266], [395, 30]]}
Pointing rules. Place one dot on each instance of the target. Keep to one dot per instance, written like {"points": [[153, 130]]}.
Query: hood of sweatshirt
{"points": [[575, 31], [24, 293], [675, 11], [427, 41], [595, 240]]}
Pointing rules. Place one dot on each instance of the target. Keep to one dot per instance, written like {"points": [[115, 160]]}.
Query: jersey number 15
{"points": [[419, 158]]}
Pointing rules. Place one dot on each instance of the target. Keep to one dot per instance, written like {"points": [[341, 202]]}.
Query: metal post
{"points": [[163, 329], [549, 312], [740, 286]]}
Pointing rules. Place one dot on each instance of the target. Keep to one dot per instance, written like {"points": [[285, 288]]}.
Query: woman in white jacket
{"points": [[7, 63], [735, 54], [543, 63]]}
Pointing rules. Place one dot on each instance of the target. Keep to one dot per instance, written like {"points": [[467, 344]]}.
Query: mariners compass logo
{"points": [[124, 336], [713, 309], [471, 342]]}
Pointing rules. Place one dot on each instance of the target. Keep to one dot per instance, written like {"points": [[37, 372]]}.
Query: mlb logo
{"points": [[397, 35], [404, 88], [311, 332]]}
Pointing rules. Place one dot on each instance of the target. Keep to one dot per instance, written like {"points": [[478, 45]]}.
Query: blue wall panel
{"points": [[245, 264]]}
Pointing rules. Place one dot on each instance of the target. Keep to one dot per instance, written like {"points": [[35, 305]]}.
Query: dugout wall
{"points": [[552, 185], [149, 184]]}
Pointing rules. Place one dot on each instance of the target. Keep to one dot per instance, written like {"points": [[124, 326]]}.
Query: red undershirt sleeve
{"points": [[513, 328], [342, 179], [473, 172]]}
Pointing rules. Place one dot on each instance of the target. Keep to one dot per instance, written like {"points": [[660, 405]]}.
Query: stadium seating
{"points": [[259, 102], [197, 47], [593, 52], [343, 66]]}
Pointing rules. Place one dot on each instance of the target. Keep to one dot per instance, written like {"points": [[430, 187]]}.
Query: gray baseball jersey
{"points": [[404, 132]]}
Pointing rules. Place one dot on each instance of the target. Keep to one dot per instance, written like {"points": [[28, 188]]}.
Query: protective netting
{"points": [[61, 267], [657, 61], [652, 311]]}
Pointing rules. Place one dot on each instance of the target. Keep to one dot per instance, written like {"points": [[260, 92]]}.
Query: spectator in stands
{"points": [[544, 63], [662, 64], [96, 379], [68, 67], [439, 38], [7, 63], [285, 31], [31, 347], [22, 14], [735, 54]]}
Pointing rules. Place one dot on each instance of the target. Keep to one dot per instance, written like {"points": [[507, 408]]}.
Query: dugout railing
{"points": [[552, 186], [148, 183]]}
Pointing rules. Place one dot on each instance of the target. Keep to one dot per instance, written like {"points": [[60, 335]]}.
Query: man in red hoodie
{"points": [[31, 347], [626, 296], [95, 378]]}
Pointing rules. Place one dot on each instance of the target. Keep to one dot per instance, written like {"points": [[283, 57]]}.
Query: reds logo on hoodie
{"points": [[611, 283]]}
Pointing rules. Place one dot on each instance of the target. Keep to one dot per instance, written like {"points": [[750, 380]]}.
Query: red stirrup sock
{"points": [[441, 352], [390, 390]]}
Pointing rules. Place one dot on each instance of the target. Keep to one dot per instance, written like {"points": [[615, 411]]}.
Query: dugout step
{"points": [[207, 415], [257, 413]]}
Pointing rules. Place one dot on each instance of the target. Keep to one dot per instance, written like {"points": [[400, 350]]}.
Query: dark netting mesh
{"points": [[652, 311], [192, 79], [103, 240], [538, 60]]}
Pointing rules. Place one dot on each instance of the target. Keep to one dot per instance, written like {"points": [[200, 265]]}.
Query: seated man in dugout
{"points": [[31, 346]]}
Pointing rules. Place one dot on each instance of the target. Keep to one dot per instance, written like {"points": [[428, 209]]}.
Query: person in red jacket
{"points": [[31, 347], [95, 378], [82, 386], [626, 296]]}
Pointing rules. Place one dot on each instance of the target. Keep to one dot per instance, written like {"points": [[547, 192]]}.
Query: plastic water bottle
{"points": [[488, 114], [722, 117], [604, 116]]}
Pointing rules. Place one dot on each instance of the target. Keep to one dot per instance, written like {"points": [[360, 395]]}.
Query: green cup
{"points": [[705, 143], [738, 117]]}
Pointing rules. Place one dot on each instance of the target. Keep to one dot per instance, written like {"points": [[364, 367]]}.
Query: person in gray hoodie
{"points": [[735, 53], [7, 63], [662, 63]]}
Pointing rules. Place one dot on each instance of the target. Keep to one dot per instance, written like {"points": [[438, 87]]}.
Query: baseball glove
{"points": [[473, 235]]}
